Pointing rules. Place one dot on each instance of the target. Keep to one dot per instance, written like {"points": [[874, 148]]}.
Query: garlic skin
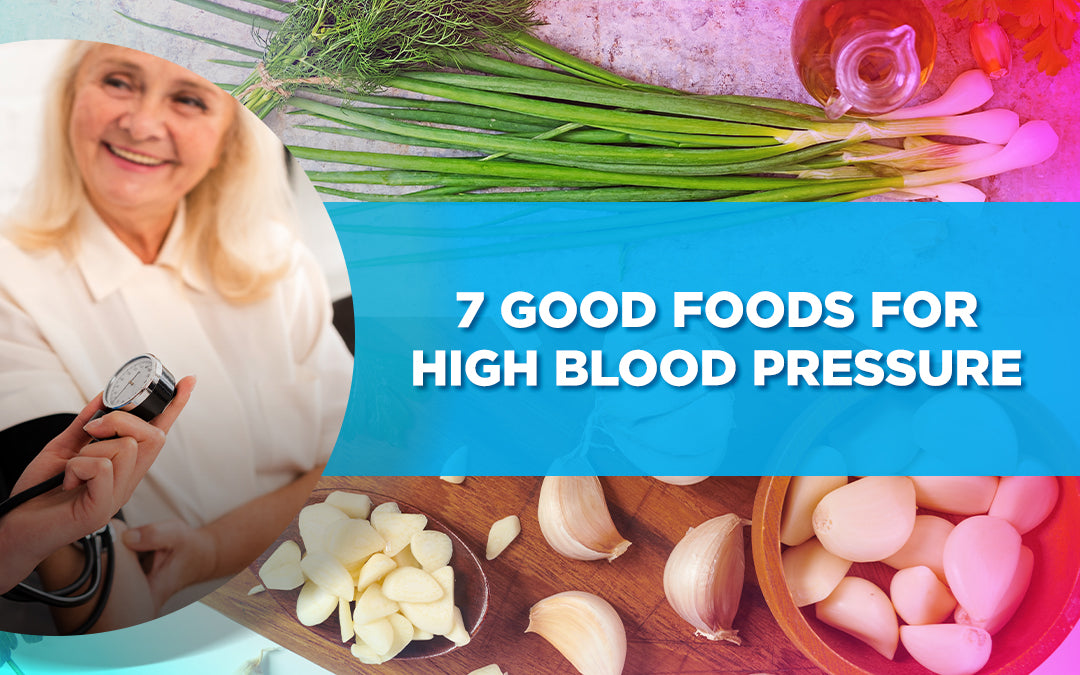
{"points": [[868, 519], [585, 629], [811, 572], [575, 521], [862, 610], [803, 495], [703, 577], [981, 557], [991, 49], [1010, 602], [961, 495], [925, 546], [947, 648], [919, 596], [1025, 501]]}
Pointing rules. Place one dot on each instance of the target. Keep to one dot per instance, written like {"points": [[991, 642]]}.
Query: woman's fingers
{"points": [[150, 439], [124, 455], [96, 473], [165, 420]]}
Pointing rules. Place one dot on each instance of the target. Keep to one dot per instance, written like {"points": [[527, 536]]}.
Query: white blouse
{"points": [[273, 375]]}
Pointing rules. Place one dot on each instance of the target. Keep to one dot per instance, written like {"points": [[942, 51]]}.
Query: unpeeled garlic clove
{"points": [[925, 546], [1025, 501], [803, 495], [1012, 599], [960, 495], [981, 556], [585, 629], [919, 596], [812, 573], [575, 521], [862, 610], [947, 648], [868, 519], [991, 49], [703, 577]]}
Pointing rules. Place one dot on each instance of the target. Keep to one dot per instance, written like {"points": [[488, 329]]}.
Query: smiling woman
{"points": [[144, 132], [159, 221]]}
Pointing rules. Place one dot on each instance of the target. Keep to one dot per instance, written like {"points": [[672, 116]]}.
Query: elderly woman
{"points": [[157, 223]]}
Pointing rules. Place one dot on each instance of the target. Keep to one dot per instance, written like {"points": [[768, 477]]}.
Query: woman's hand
{"points": [[98, 480], [175, 555]]}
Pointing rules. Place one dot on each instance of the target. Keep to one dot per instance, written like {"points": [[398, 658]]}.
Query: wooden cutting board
{"points": [[651, 514]]}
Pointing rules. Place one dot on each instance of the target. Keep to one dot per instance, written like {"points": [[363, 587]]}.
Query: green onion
{"points": [[580, 132]]}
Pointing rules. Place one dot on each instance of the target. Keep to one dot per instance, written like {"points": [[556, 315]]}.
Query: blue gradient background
{"points": [[407, 262]]}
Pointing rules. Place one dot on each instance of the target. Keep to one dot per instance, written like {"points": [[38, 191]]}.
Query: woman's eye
{"points": [[117, 82], [192, 101]]}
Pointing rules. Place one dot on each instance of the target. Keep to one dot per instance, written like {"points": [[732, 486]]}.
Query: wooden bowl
{"points": [[1047, 615], [470, 587]]}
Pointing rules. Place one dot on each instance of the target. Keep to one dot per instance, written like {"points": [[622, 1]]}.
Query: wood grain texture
{"points": [[651, 514]]}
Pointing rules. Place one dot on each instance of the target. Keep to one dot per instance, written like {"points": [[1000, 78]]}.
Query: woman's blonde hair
{"points": [[233, 216]]}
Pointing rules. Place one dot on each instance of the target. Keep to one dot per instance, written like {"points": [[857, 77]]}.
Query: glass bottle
{"points": [[863, 57]]}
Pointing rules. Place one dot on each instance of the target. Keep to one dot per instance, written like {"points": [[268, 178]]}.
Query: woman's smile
{"points": [[131, 156]]}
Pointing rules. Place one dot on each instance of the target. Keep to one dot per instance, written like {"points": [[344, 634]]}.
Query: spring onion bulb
{"points": [[967, 92], [1034, 143]]}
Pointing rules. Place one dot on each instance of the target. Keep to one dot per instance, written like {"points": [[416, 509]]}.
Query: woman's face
{"points": [[144, 131]]}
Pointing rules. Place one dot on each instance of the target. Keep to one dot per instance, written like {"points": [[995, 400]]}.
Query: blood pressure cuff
{"points": [[20, 444]]}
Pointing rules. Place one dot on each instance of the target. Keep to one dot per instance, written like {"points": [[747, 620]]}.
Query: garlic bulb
{"points": [[575, 521], [585, 629], [703, 578], [868, 519]]}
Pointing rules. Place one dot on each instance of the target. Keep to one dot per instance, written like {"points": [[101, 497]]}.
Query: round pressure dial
{"points": [[143, 387]]}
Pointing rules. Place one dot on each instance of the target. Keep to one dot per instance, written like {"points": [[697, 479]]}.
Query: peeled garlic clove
{"points": [[925, 546], [947, 648], [812, 573], [680, 480], [703, 577], [803, 495], [961, 495], [585, 628], [326, 571], [868, 519], [862, 610], [281, 571], [502, 532], [575, 521], [981, 556], [919, 596], [1025, 501], [1013, 597]]}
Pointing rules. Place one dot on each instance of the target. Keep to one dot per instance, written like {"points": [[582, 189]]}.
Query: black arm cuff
{"points": [[20, 444]]}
